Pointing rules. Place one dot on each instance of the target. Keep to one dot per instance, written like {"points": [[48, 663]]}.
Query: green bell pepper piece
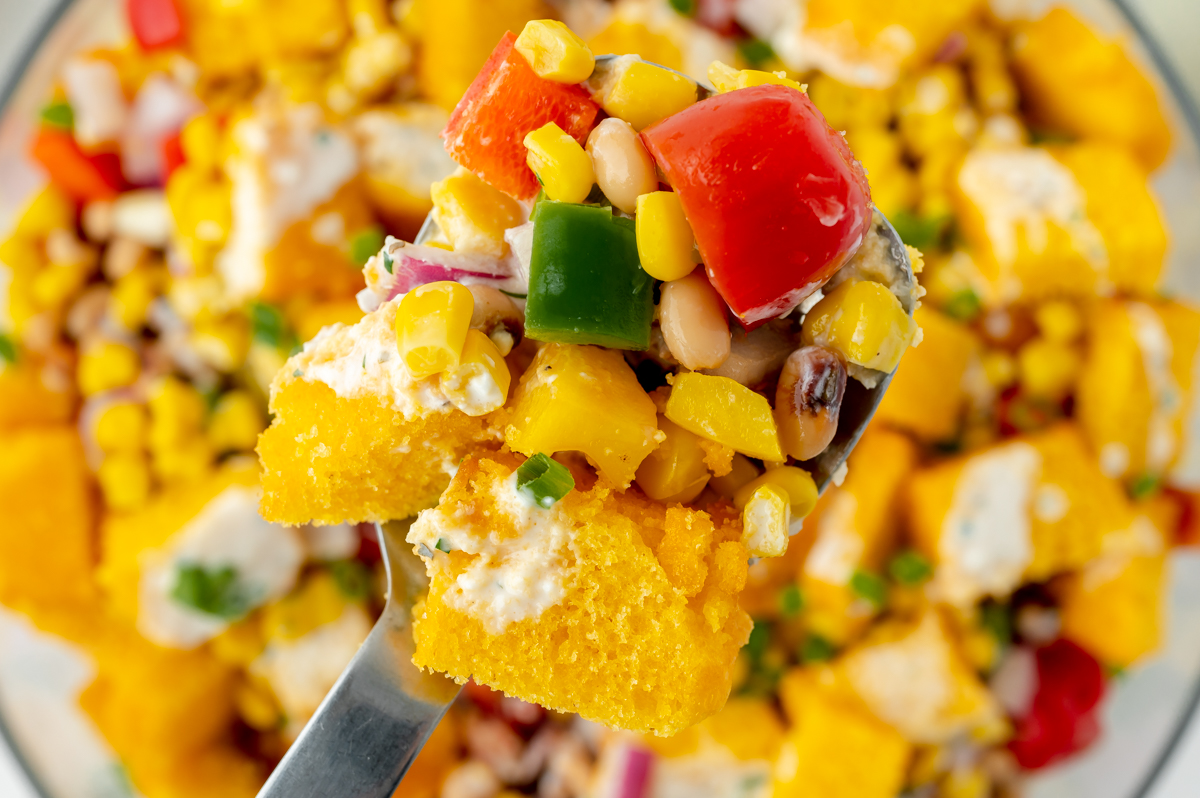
{"points": [[586, 283]]}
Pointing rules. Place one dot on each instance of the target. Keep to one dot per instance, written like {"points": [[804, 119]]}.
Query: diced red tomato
{"points": [[718, 15], [1062, 717], [507, 100], [83, 176], [773, 194], [155, 23], [172, 155]]}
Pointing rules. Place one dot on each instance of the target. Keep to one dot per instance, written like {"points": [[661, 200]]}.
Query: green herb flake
{"points": [[964, 305], [212, 591], [443, 546], [791, 601], [870, 587], [297, 373], [1145, 486], [546, 480], [364, 244], [8, 349], [997, 620], [513, 294], [756, 52], [760, 638], [910, 568], [918, 230], [388, 263], [269, 326], [58, 115], [685, 7], [816, 649], [351, 578]]}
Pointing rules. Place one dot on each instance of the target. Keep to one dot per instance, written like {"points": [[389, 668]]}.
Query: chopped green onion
{"points": [[791, 601], [997, 619], [760, 638], [816, 649], [964, 305], [544, 479], [212, 591], [513, 294], [8, 349], [685, 7], [1145, 486], [756, 52], [352, 578], [59, 115], [269, 326], [869, 586], [910, 568], [388, 262], [298, 373], [918, 230], [443, 546], [364, 244]]}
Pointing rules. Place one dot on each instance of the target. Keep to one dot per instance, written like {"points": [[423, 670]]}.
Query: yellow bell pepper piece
{"points": [[796, 483], [665, 240], [431, 327], [473, 215], [675, 471], [480, 383], [567, 383], [725, 78], [765, 522], [864, 321], [642, 93], [727, 412], [200, 139], [562, 166], [49, 210], [555, 52]]}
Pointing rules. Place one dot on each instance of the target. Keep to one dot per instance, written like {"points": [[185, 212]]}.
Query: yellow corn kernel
{"points": [[124, 480], [240, 644], [256, 704], [186, 461], [315, 603], [966, 783], [480, 382], [1059, 321], [561, 165], [980, 648], [555, 52], [665, 240], [796, 483], [864, 322], [741, 471], [642, 93], [367, 16], [200, 139], [1000, 368], [49, 210], [929, 762], [176, 413], [105, 366], [223, 342], [727, 412], [431, 327], [1047, 369], [55, 285], [121, 427], [132, 295], [765, 522], [21, 255], [675, 471], [473, 215], [726, 78], [235, 423]]}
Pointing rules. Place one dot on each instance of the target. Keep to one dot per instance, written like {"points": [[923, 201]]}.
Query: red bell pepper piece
{"points": [[507, 100], [773, 194], [172, 154], [155, 23], [1062, 717], [84, 177]]}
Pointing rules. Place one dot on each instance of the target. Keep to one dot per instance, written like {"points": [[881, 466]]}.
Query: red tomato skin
{"points": [[507, 100], [172, 155], [155, 23], [84, 177], [1062, 718], [775, 197]]}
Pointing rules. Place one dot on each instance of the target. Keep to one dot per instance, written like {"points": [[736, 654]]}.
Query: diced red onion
{"points": [[635, 775], [159, 110], [1015, 681]]}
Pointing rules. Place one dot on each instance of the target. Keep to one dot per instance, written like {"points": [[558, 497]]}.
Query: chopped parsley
{"points": [[963, 305], [791, 601], [351, 577], [443, 546], [8, 349], [269, 326], [1145, 486], [997, 619], [366, 243], [388, 263], [685, 7], [869, 586], [546, 480], [756, 52], [910, 568], [58, 115], [816, 649], [212, 591]]}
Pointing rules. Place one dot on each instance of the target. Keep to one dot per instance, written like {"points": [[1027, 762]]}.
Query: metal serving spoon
{"points": [[375, 720]]}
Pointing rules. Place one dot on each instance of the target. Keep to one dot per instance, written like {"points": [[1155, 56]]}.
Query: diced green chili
{"points": [[546, 480], [910, 568]]}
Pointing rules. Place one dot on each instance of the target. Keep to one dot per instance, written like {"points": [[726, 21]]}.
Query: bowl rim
{"points": [[1167, 73]]}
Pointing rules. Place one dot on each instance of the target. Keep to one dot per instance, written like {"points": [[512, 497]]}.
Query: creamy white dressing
{"points": [[335, 542], [1114, 459], [510, 579], [404, 147], [1050, 503], [93, 89], [228, 532], [838, 549], [143, 215], [1166, 397], [985, 544]]}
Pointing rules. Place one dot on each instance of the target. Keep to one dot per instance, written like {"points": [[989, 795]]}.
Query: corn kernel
{"points": [[176, 413], [1000, 368], [431, 327], [189, 460], [473, 215], [725, 411], [56, 284], [1047, 369], [675, 471], [929, 761], [561, 165], [105, 366], [726, 78], [315, 603], [200, 140], [765, 521], [132, 295], [796, 483], [235, 423], [642, 93], [121, 427], [21, 255], [864, 322], [1058, 321], [223, 342], [240, 644], [256, 705], [124, 480], [665, 240], [966, 783], [480, 382], [367, 16], [981, 649], [555, 52], [741, 471], [49, 210]]}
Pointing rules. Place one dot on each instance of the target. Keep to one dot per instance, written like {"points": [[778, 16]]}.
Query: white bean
{"points": [[623, 168], [693, 322]]}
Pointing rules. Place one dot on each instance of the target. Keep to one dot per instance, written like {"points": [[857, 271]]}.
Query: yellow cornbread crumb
{"points": [[646, 625], [380, 445]]}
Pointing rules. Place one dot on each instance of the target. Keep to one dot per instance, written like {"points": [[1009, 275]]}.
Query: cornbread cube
{"points": [[28, 398], [1094, 227], [355, 437], [270, 30], [1136, 388], [605, 604], [219, 770], [855, 527], [926, 395], [912, 676], [47, 549], [1074, 80], [1022, 510]]}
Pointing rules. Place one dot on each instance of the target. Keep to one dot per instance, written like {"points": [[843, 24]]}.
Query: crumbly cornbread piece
{"points": [[621, 609], [354, 436], [28, 398]]}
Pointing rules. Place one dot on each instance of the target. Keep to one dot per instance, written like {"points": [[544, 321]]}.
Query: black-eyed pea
{"points": [[808, 400]]}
